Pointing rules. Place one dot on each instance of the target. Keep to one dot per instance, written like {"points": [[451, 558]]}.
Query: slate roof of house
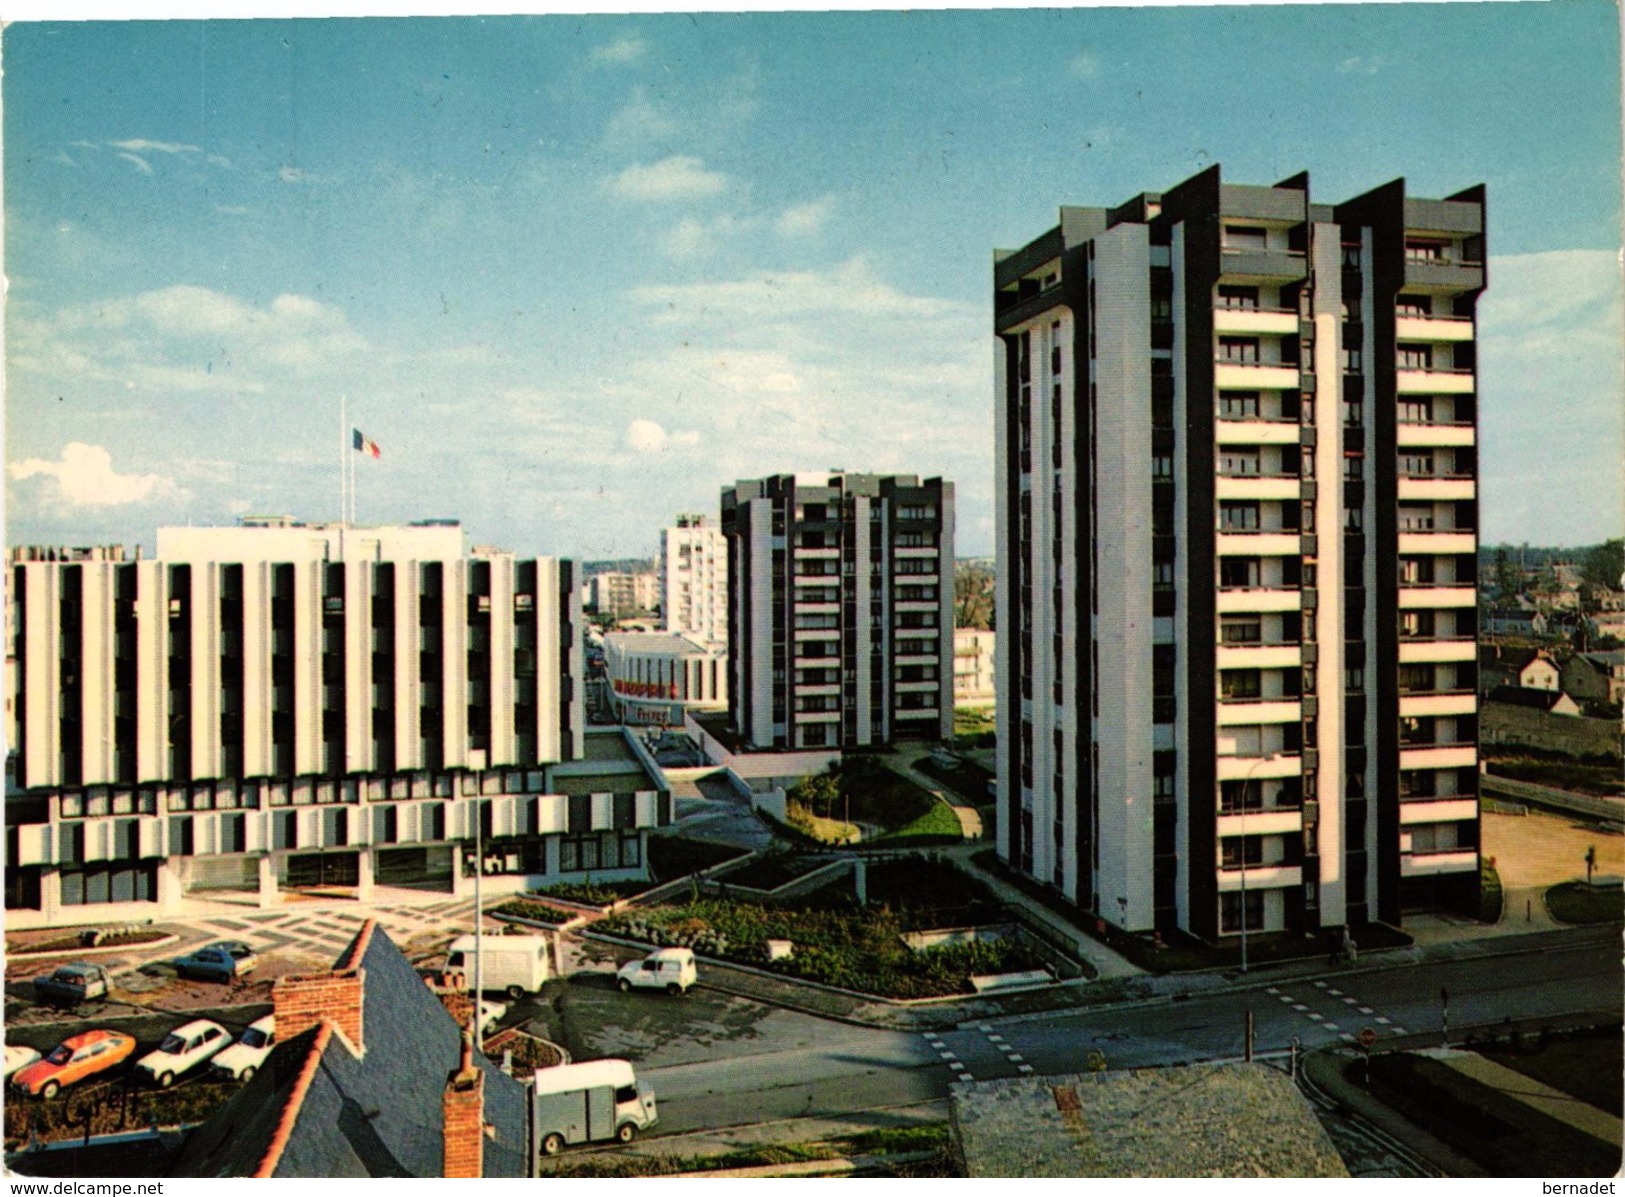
{"points": [[1523, 696], [1611, 659], [1205, 1120], [316, 1109]]}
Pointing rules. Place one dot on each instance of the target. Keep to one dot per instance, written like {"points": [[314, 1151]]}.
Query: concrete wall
{"points": [[1503, 725]]}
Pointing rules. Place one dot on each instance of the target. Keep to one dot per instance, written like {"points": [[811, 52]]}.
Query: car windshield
{"points": [[172, 1045], [240, 952], [71, 978], [253, 1037], [61, 1055]]}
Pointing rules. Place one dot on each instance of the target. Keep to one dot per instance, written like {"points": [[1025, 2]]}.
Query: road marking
{"points": [[1351, 1001], [1382, 1020], [1315, 1016], [995, 1038], [1286, 997], [947, 1055], [1346, 1036], [965, 1076], [1365, 1009], [957, 1066], [1320, 985], [1014, 1057], [1272, 990], [1025, 1069], [1400, 1031], [1299, 1007], [983, 1027], [1330, 1026], [1335, 992]]}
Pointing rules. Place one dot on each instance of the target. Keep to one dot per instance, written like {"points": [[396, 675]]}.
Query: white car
{"points": [[18, 1057], [242, 1059], [490, 1013], [183, 1049], [671, 969]]}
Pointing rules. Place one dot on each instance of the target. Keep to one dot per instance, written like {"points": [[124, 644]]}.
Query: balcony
{"points": [[1433, 328], [805, 553], [818, 689], [1422, 436], [1453, 808], [1260, 822], [1258, 656], [1454, 756], [907, 658], [1427, 864], [915, 551], [1417, 597], [1417, 652], [1276, 876], [1453, 543], [1251, 712], [1259, 486], [1246, 768], [1259, 599], [1257, 376], [1436, 382], [1262, 265], [917, 605], [1419, 706], [1256, 320], [1443, 274], [920, 687], [1448, 489], [915, 579], [1256, 432], [1259, 544]]}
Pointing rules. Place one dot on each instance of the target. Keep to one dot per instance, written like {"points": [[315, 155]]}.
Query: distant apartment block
{"points": [[840, 608], [621, 595], [974, 667], [1238, 512], [287, 705], [694, 580]]}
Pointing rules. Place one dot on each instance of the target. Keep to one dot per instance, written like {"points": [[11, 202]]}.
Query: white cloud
{"points": [[85, 478], [691, 238], [675, 178], [140, 145], [141, 164], [803, 220], [850, 288], [646, 436], [638, 121], [293, 174], [1359, 66], [619, 52], [1084, 64]]}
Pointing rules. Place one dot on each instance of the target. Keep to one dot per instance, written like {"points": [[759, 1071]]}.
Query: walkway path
{"points": [[970, 819], [1554, 1103]]}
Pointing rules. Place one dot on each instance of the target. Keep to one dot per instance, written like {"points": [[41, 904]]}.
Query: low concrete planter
{"points": [[1000, 982]]}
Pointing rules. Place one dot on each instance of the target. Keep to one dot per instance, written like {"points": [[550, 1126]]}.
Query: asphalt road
{"points": [[847, 1070]]}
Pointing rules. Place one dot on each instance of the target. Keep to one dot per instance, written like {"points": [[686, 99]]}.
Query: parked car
{"points": [[242, 1059], [18, 1057], [671, 969], [73, 983], [73, 1060], [225, 961], [182, 1050]]}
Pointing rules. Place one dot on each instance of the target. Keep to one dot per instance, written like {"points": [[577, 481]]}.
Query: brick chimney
{"points": [[463, 1114], [305, 1000]]}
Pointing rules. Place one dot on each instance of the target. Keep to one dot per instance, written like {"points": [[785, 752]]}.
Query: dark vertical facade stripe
{"points": [[1075, 283], [1195, 203], [1009, 828], [567, 639]]}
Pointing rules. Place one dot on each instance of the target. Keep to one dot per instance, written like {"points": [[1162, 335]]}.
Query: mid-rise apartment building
{"points": [[283, 705], [694, 580], [1237, 513], [840, 609], [620, 594]]}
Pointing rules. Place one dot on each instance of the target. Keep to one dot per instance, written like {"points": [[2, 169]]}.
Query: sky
{"points": [[574, 274]]}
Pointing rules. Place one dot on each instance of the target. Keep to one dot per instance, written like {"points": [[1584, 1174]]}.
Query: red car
{"points": [[73, 1060]]}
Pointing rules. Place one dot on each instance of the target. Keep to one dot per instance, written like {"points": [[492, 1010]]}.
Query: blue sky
{"points": [[575, 273]]}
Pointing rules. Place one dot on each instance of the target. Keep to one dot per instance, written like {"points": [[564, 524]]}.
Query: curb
{"points": [[807, 1167], [163, 942]]}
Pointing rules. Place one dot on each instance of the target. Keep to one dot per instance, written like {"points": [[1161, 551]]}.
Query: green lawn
{"points": [[1577, 902], [936, 824], [861, 790]]}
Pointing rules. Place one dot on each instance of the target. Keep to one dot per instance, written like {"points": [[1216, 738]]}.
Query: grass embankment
{"points": [[902, 1140], [670, 857], [860, 790], [1576, 902], [1597, 776], [1583, 1063], [1505, 1136], [837, 942]]}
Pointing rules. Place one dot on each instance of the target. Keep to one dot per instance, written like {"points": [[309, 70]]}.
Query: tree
{"points": [[973, 596], [1508, 578], [1604, 564]]}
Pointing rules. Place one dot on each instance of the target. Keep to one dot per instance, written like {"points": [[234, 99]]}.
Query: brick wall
{"points": [[305, 1000]]}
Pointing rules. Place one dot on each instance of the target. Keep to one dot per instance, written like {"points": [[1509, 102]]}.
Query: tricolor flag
{"points": [[365, 444]]}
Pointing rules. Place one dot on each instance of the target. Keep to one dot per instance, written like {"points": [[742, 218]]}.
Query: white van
{"points": [[589, 1103], [671, 969], [515, 964]]}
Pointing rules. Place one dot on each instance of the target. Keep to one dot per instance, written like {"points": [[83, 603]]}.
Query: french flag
{"points": [[365, 444]]}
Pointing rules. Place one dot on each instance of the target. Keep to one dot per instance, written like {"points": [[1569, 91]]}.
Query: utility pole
{"points": [[1249, 1055], [1444, 1024]]}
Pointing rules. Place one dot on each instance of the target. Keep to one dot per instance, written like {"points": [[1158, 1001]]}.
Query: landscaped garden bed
{"points": [[838, 943], [80, 941], [861, 792], [1577, 902], [670, 857], [770, 871], [525, 1051]]}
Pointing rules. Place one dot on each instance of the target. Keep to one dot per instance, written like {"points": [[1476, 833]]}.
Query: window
{"points": [[1241, 631], [1245, 794], [1353, 361], [1241, 683], [1238, 405], [1416, 357], [1238, 349], [1424, 251], [1162, 466], [1414, 305], [1353, 519], [1238, 297], [1244, 237], [1238, 517], [1239, 848], [1416, 519], [1416, 465], [1415, 678], [1353, 466], [1238, 573], [1416, 411], [1238, 463]]}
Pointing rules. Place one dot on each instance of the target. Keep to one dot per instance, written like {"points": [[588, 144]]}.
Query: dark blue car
{"points": [[225, 961]]}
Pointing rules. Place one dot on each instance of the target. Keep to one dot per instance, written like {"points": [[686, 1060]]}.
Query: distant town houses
{"points": [[1553, 680]]}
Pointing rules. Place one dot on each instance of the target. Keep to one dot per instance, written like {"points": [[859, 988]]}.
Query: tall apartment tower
{"points": [[1237, 520], [840, 609], [288, 704], [694, 580]]}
